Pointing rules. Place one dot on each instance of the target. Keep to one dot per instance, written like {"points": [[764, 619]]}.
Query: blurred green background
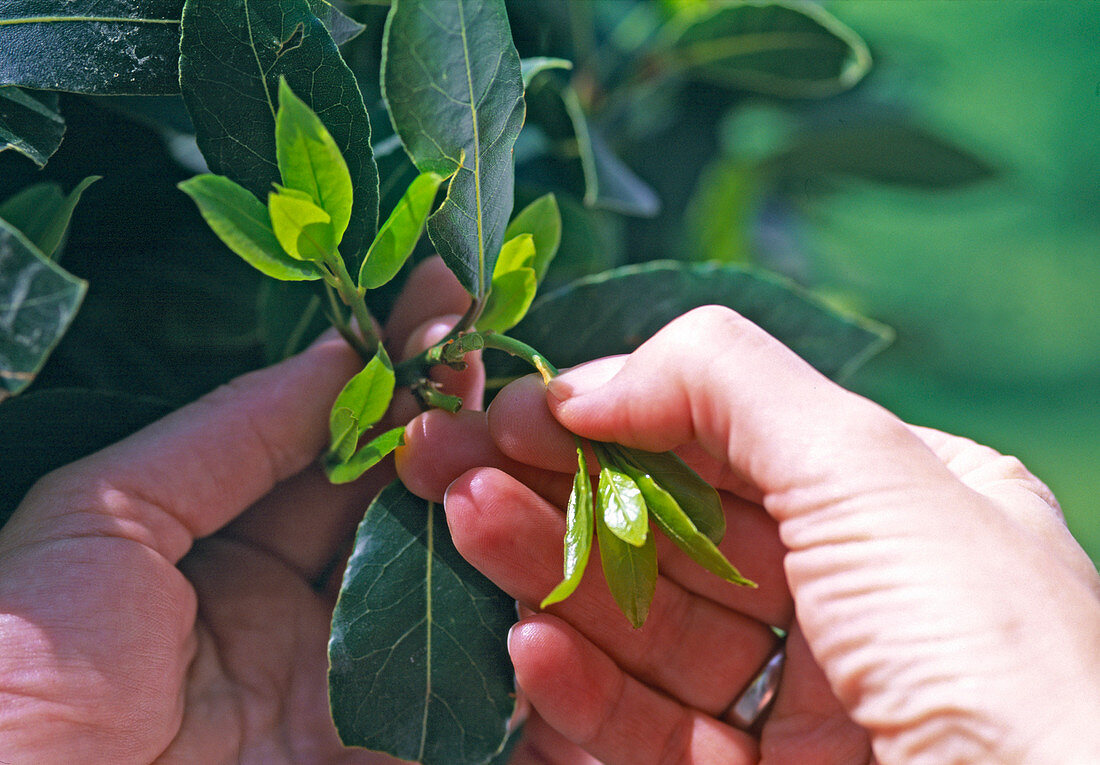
{"points": [[993, 287]]}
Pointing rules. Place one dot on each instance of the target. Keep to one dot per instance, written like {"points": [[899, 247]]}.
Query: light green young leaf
{"points": [[309, 159], [369, 455], [513, 287], [677, 526], [42, 212], [542, 220], [242, 222], [303, 229], [399, 234], [363, 400], [697, 498], [511, 297], [578, 534], [631, 572], [532, 67], [620, 504], [344, 430]]}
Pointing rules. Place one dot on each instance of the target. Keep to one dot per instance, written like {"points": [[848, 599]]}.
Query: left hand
{"points": [[169, 597]]}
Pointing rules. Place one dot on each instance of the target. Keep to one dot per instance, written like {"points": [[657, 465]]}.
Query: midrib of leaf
{"points": [[477, 154], [430, 544], [256, 55], [98, 19]]}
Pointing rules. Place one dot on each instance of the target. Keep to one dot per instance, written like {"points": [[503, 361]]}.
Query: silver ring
{"points": [[754, 701]]}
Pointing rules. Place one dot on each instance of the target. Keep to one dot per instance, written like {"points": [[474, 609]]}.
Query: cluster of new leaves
{"points": [[636, 487]]}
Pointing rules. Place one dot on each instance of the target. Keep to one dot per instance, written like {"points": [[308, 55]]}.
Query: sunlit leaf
{"points": [[452, 81], [630, 572], [242, 222], [399, 234], [579, 522], [303, 229], [367, 456], [542, 220]]}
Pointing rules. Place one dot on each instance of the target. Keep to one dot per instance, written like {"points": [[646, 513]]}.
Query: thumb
{"points": [[712, 377]]}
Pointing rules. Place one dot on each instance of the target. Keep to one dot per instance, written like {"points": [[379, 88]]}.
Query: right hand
{"points": [[939, 609]]}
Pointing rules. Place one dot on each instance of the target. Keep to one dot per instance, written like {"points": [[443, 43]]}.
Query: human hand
{"points": [[169, 597], [938, 609]]}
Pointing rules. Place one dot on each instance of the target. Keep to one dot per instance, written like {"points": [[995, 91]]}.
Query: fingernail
{"points": [[581, 380]]}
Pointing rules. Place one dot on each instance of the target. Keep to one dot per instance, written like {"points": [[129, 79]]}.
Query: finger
{"points": [[807, 724], [431, 290], [692, 648], [543, 745], [439, 447], [192, 472], [582, 693]]}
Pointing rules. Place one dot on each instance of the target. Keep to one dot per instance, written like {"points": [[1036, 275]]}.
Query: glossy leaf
{"points": [[677, 526], [452, 81], [614, 312], [30, 124], [340, 26], [630, 572], [362, 402], [619, 502], [513, 287], [418, 659], [42, 212], [53, 427], [542, 220], [303, 229], [101, 47], [578, 534], [38, 300], [697, 498], [367, 456], [399, 234], [309, 159], [791, 49], [233, 54], [244, 226]]}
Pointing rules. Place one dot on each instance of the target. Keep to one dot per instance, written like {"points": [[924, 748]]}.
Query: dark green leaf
{"points": [[791, 49], [542, 220], [578, 534], [42, 213], [674, 522], [309, 159], [616, 311], [363, 401], [232, 56], [38, 300], [303, 229], [368, 455], [419, 667], [631, 572], [452, 81], [697, 498], [46, 429], [30, 124], [399, 234], [885, 152], [340, 26], [102, 47], [533, 67], [290, 317], [244, 225], [619, 502]]}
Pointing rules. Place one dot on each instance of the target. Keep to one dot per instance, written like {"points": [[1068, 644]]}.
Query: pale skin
{"points": [[939, 610]]}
